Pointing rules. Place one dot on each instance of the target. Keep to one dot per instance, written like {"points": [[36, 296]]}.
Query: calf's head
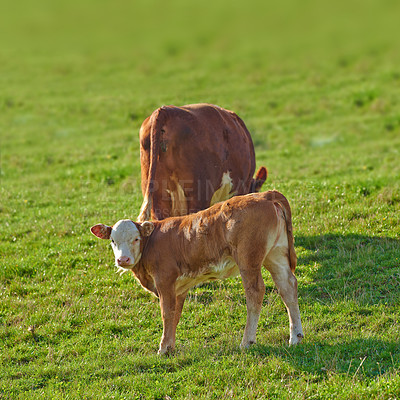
{"points": [[126, 237]]}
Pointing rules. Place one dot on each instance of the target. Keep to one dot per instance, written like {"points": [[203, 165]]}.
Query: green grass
{"points": [[319, 89]]}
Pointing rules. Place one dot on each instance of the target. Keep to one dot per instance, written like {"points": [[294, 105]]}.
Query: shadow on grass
{"points": [[368, 358], [170, 363], [349, 267]]}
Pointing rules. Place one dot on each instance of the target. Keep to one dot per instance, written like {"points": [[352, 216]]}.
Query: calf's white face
{"points": [[125, 240]]}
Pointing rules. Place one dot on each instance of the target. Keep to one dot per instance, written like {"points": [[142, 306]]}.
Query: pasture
{"points": [[319, 89]]}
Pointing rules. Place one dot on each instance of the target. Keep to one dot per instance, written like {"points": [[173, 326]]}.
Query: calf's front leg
{"points": [[168, 340], [180, 300], [170, 304], [168, 311]]}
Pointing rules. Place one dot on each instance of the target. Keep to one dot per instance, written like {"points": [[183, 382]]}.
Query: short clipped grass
{"points": [[319, 89]]}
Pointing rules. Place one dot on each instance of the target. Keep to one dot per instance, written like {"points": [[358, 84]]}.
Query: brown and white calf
{"points": [[238, 236]]}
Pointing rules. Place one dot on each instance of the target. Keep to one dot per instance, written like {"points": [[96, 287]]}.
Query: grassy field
{"points": [[318, 86]]}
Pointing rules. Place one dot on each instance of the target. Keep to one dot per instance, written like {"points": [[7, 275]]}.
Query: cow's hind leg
{"points": [[277, 264], [255, 289]]}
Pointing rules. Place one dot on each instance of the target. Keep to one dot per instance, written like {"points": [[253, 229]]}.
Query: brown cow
{"points": [[193, 157], [239, 235]]}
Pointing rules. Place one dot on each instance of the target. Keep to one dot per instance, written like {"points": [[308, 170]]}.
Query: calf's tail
{"points": [[279, 198]]}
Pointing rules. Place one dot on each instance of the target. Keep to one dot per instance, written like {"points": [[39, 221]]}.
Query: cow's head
{"points": [[125, 238]]}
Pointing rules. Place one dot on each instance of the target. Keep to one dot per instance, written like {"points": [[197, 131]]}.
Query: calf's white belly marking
{"points": [[226, 268]]}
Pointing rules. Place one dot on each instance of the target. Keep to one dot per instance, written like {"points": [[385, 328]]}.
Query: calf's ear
{"points": [[146, 228], [101, 231]]}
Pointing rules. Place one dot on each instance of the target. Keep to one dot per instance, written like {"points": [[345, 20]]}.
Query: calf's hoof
{"points": [[167, 350], [247, 344], [296, 339]]}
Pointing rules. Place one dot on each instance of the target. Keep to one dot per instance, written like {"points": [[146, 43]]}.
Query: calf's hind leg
{"points": [[277, 264], [255, 289]]}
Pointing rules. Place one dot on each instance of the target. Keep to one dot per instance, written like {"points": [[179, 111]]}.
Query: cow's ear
{"points": [[101, 231], [146, 228], [259, 180]]}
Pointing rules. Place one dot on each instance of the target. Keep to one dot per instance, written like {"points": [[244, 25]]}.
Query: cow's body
{"points": [[234, 237], [192, 157]]}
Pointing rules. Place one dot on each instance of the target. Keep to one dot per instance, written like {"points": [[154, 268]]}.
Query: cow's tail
{"points": [[279, 198], [157, 121]]}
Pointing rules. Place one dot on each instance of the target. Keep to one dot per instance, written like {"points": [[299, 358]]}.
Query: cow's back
{"points": [[198, 148]]}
